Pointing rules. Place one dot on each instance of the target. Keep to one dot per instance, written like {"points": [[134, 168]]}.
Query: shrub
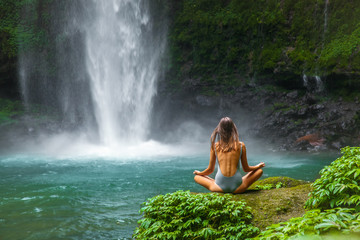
{"points": [[182, 215], [315, 222], [339, 182]]}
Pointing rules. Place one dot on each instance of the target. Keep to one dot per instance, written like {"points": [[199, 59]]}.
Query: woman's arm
{"points": [[245, 164], [210, 169]]}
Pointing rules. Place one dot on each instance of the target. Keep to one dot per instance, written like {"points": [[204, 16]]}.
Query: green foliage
{"points": [[264, 187], [8, 110], [341, 51], [339, 184], [315, 222], [269, 39], [22, 25], [182, 215], [269, 186], [337, 187], [218, 36]]}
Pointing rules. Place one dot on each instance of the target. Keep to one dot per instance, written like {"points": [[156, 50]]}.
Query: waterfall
{"points": [[314, 84], [123, 69], [319, 87], [325, 24], [106, 55], [326, 16]]}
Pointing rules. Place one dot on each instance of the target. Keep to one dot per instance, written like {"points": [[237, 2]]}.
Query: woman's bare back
{"points": [[229, 161]]}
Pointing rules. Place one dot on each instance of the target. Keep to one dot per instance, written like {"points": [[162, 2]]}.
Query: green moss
{"points": [[286, 182], [275, 205]]}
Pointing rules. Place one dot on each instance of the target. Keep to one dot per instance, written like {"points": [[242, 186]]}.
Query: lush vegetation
{"points": [[216, 45], [315, 222], [182, 215], [339, 184], [216, 42], [336, 188]]}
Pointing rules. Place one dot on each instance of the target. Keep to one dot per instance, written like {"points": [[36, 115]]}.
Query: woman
{"points": [[229, 151]]}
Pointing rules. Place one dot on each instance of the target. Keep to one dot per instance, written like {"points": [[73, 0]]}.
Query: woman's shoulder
{"points": [[241, 143]]}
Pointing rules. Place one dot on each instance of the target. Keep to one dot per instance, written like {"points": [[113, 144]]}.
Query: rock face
{"points": [[280, 118], [322, 124]]}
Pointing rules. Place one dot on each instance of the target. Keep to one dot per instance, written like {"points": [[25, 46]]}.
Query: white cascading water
{"points": [[123, 70], [305, 80], [319, 84], [106, 55]]}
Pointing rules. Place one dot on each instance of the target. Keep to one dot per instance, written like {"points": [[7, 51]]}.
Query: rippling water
{"points": [[99, 198]]}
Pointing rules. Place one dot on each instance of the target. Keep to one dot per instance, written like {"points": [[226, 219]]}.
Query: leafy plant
{"points": [[269, 186], [339, 184], [264, 187], [315, 222], [279, 185], [182, 215]]}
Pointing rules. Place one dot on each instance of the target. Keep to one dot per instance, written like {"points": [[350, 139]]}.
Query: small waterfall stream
{"points": [[318, 85], [325, 16]]}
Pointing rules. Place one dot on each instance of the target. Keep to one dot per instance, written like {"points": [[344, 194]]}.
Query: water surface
{"points": [[43, 197]]}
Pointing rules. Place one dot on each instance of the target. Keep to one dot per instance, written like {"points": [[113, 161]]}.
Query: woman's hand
{"points": [[196, 172], [260, 165]]}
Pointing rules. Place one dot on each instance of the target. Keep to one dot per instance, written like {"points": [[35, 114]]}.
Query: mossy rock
{"points": [[278, 204], [286, 182]]}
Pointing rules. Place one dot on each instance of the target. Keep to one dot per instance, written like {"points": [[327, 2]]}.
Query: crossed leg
{"points": [[249, 179], [208, 183]]}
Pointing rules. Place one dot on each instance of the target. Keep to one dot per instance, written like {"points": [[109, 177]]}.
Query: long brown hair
{"points": [[227, 132]]}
